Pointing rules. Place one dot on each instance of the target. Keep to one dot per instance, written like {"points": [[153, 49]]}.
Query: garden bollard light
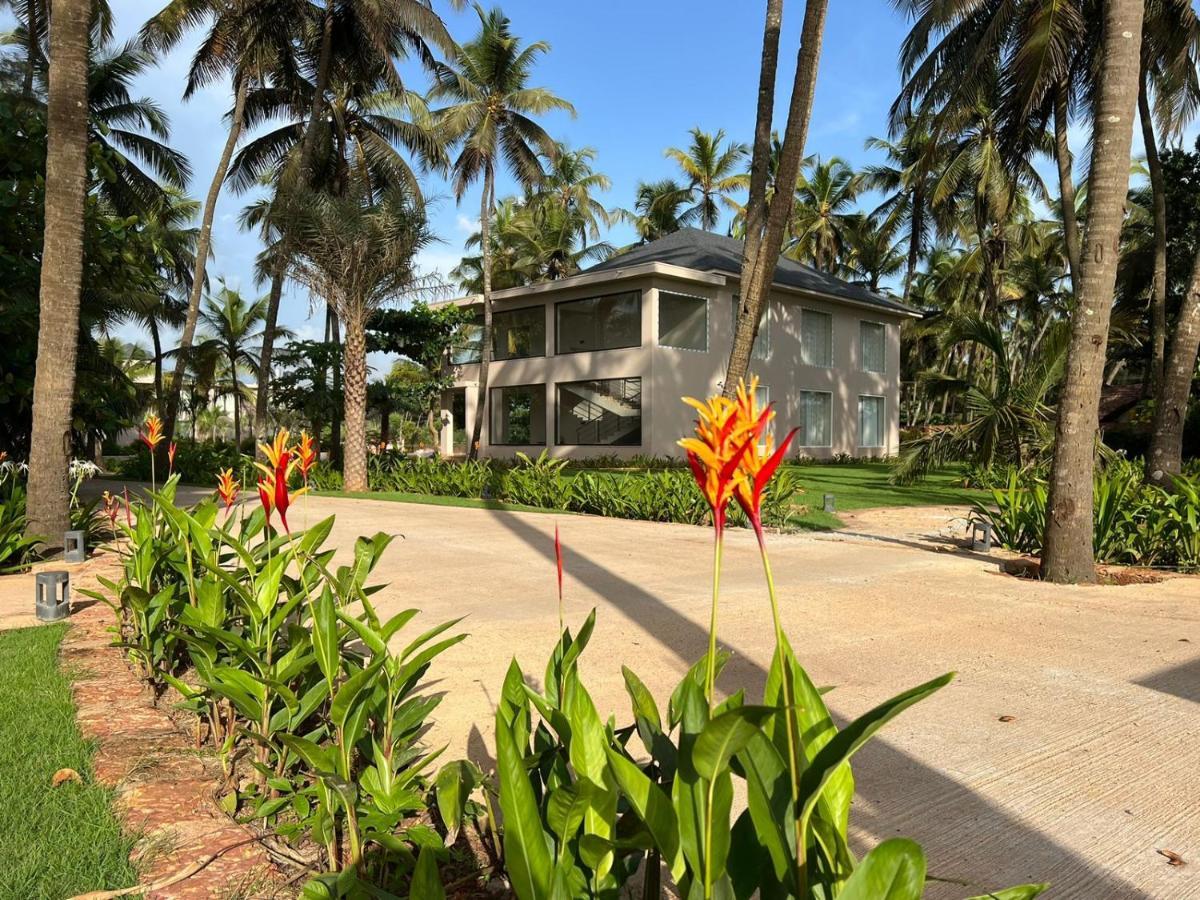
{"points": [[74, 547], [981, 536], [49, 603], [830, 506]]}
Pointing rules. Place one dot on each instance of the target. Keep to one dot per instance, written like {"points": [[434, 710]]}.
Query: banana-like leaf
{"points": [[1020, 892], [527, 853], [726, 735], [894, 870], [426, 883], [652, 806], [454, 784]]}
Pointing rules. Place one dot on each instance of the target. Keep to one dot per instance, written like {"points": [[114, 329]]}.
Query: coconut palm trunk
{"points": [[1066, 180], [203, 246], [1068, 541], [485, 351], [48, 505], [354, 363], [1158, 284], [1166, 441], [761, 257]]}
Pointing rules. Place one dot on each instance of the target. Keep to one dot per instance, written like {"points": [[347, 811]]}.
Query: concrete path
{"points": [[1094, 773]]}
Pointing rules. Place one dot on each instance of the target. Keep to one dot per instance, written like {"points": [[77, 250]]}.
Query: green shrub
{"points": [[196, 462]]}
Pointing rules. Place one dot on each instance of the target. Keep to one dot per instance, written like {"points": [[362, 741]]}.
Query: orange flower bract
{"points": [[153, 435], [227, 488], [715, 453], [306, 454], [761, 458]]}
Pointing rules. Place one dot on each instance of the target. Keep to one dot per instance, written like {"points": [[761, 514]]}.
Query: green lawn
{"points": [[54, 842], [866, 486]]}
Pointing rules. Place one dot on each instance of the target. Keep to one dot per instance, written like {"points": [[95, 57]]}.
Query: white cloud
{"points": [[466, 224]]}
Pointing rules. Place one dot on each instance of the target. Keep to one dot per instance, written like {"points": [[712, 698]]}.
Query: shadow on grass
{"points": [[934, 808]]}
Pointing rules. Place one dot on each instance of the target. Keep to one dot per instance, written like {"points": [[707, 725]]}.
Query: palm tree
{"points": [[491, 115], [33, 34], [821, 215], [907, 179], [1068, 541], [358, 253], [660, 208], [871, 250], [48, 513], [247, 41], [712, 173], [568, 187], [232, 325]]}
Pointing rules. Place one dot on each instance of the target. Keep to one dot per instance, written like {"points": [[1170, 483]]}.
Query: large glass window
{"points": [[762, 342], [873, 338], [468, 344], [518, 415], [607, 412], [682, 321], [816, 419], [599, 323], [816, 338], [519, 333], [870, 422]]}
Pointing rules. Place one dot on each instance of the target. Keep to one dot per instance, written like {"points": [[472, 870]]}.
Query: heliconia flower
{"points": [[171, 457], [282, 500], [273, 451], [715, 453], [306, 454], [112, 506], [153, 435], [228, 488], [264, 495], [761, 459]]}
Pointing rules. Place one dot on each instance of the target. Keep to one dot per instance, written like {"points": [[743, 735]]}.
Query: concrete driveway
{"points": [[1095, 772]]}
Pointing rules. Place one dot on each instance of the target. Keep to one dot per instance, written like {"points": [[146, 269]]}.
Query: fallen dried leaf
{"points": [[64, 775], [1008, 718], [1173, 858]]}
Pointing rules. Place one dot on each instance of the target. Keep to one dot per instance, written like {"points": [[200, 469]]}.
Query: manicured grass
{"points": [[55, 842], [435, 500], [865, 486]]}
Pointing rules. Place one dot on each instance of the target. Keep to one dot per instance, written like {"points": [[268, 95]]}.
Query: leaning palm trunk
{"points": [[1066, 180], [1068, 543], [1158, 290], [203, 245], [485, 351], [1166, 442], [763, 247], [62, 271], [354, 364]]}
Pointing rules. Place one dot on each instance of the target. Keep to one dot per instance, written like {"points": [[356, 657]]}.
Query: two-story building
{"points": [[596, 364]]}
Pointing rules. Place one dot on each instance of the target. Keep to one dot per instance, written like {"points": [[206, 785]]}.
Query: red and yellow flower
{"points": [[762, 458], [153, 435], [273, 491], [715, 454], [306, 454], [228, 488], [171, 457]]}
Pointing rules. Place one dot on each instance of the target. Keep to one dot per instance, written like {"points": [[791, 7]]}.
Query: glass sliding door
{"points": [[816, 419], [518, 415], [606, 412], [871, 426]]}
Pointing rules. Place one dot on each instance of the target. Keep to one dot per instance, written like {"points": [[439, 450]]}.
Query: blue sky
{"points": [[640, 74]]}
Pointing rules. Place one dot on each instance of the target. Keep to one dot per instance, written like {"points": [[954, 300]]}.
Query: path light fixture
{"points": [[52, 597], [981, 536], [830, 504], [74, 547]]}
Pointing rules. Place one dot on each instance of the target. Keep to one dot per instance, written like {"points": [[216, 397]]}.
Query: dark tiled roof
{"points": [[708, 252]]}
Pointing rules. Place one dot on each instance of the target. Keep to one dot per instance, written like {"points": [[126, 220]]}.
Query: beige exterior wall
{"points": [[669, 373]]}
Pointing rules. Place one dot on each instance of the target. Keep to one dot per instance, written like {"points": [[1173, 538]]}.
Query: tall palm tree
{"points": [[33, 34], [358, 253], [712, 172], [569, 186], [1068, 542], [821, 216], [491, 114], [232, 326], [48, 514], [907, 180], [248, 41], [871, 250], [660, 208]]}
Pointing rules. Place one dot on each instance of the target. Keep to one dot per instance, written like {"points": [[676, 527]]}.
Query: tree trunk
{"points": [[760, 159], [1158, 289], [1066, 181], [237, 404], [354, 363], [203, 244], [156, 340], [385, 426], [1068, 544], [485, 352], [756, 279], [318, 101], [31, 49], [915, 229], [336, 452], [48, 503], [1170, 413], [270, 322]]}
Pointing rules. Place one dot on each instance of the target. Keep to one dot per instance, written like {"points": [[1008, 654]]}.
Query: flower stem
{"points": [[710, 681]]}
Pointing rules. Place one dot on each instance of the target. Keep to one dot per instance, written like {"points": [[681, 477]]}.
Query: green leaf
{"points": [[564, 812], [724, 736], [325, 637], [454, 785], [1021, 892], [344, 700], [526, 844], [652, 806], [847, 741], [895, 870], [426, 883]]}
